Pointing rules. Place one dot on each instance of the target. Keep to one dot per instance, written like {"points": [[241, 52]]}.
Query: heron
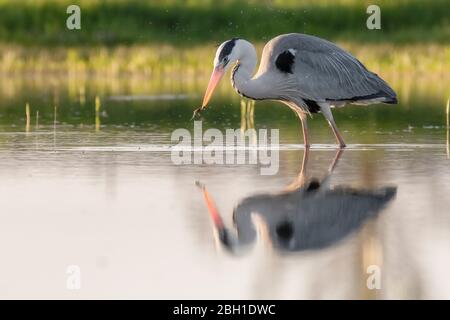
{"points": [[307, 73], [308, 215]]}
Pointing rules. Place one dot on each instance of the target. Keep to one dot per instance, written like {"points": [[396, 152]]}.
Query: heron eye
{"points": [[225, 61]]}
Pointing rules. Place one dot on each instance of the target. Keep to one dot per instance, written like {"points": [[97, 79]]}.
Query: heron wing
{"points": [[325, 72]]}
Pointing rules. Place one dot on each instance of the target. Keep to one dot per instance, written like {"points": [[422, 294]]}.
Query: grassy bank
{"points": [[189, 23], [167, 60], [175, 37]]}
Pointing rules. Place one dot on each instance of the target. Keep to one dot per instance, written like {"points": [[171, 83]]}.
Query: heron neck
{"points": [[242, 76], [244, 237]]}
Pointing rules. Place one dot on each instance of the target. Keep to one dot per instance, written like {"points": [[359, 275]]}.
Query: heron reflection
{"points": [[308, 215]]}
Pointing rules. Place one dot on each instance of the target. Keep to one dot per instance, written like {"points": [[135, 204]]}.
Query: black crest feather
{"points": [[227, 48]]}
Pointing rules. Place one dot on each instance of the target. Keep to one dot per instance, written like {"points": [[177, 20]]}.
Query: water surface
{"points": [[99, 190]]}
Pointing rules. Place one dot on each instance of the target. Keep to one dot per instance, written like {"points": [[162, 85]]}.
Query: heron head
{"points": [[226, 55]]}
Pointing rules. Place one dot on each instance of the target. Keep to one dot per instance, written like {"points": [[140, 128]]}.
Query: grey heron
{"points": [[308, 215], [307, 73]]}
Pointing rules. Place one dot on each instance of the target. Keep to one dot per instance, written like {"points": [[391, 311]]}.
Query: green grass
{"points": [[175, 37], [196, 62], [188, 23]]}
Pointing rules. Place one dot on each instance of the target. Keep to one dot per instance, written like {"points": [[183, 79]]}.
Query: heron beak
{"points": [[216, 75], [217, 220], [214, 214]]}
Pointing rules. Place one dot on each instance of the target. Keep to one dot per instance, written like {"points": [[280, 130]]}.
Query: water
{"points": [[100, 191]]}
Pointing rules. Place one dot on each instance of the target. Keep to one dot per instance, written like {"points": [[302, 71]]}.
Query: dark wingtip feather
{"points": [[392, 100]]}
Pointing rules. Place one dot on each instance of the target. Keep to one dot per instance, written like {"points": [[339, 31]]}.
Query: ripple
{"points": [[282, 147]]}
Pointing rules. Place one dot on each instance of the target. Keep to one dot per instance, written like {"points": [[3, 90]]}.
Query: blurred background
{"points": [[150, 47], [86, 179]]}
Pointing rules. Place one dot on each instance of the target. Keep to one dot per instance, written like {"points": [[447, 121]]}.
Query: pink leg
{"points": [[300, 180], [338, 136], [326, 111], [302, 117]]}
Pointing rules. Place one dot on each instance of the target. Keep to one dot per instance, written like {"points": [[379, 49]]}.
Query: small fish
{"points": [[197, 112]]}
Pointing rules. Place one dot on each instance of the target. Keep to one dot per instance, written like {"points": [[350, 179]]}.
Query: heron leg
{"points": [[300, 180], [337, 156], [326, 111], [326, 180], [302, 117]]}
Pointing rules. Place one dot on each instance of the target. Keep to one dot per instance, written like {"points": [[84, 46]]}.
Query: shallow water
{"points": [[101, 192]]}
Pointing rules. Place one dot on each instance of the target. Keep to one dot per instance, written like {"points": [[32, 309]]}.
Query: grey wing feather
{"points": [[325, 72]]}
